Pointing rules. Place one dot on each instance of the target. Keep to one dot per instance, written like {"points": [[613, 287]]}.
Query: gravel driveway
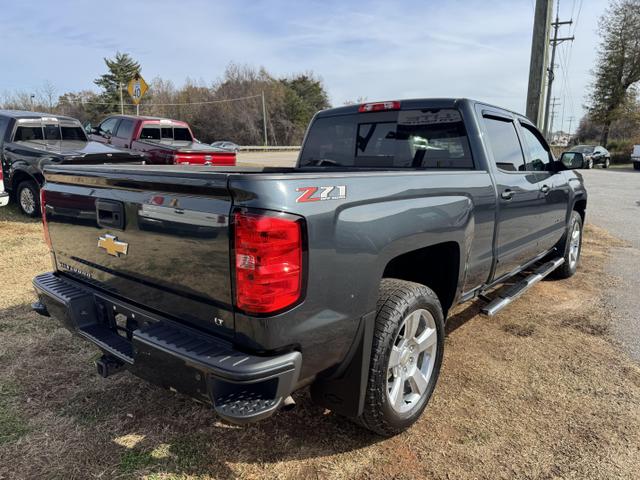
{"points": [[614, 204]]}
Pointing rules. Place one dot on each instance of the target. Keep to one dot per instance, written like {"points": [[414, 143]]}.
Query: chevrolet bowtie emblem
{"points": [[112, 246]]}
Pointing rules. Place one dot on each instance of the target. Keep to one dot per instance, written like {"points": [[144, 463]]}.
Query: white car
{"points": [[226, 145], [4, 196], [635, 157]]}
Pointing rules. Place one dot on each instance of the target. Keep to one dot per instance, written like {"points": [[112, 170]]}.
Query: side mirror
{"points": [[572, 160]]}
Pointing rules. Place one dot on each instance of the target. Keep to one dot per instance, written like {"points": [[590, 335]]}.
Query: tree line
{"points": [[230, 108], [613, 107]]}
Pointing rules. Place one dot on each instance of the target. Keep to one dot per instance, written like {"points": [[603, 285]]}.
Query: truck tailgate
{"points": [[155, 236]]}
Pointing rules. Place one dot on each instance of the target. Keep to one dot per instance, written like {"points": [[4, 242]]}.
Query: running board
{"points": [[522, 286]]}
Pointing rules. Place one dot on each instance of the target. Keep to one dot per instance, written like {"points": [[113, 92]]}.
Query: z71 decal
{"points": [[315, 194]]}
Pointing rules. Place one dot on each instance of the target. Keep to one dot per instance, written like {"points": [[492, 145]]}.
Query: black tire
{"points": [[636, 165], [607, 162], [28, 198], [589, 164], [397, 299], [568, 268]]}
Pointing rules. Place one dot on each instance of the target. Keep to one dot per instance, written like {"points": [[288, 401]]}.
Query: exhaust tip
{"points": [[288, 404]]}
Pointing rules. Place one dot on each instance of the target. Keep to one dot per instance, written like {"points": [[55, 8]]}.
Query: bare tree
{"points": [[618, 70]]}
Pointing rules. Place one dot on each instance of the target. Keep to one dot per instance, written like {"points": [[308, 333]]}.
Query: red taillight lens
{"points": [[268, 261], [379, 106], [43, 211]]}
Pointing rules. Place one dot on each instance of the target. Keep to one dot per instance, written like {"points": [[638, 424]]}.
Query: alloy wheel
{"points": [[411, 360], [27, 201], [574, 245]]}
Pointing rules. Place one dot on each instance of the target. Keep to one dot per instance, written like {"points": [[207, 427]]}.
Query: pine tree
{"points": [[618, 70], [122, 68]]}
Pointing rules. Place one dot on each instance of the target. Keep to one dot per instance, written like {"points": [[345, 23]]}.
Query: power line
{"points": [[165, 104]]}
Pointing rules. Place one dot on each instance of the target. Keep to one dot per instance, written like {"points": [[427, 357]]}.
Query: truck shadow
{"points": [[139, 426], [11, 213]]}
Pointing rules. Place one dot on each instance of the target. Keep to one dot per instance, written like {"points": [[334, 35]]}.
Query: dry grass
{"points": [[538, 391]]}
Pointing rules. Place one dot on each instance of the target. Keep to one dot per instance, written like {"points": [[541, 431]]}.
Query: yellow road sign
{"points": [[137, 88]]}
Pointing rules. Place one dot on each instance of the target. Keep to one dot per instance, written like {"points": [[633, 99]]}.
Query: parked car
{"points": [[338, 273], [30, 140], [635, 157], [593, 155], [162, 140], [227, 146]]}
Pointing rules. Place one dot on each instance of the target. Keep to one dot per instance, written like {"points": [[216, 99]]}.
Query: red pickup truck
{"points": [[162, 140]]}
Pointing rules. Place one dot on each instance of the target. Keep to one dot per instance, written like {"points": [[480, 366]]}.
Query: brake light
{"points": [[379, 106], [43, 211], [268, 261]]}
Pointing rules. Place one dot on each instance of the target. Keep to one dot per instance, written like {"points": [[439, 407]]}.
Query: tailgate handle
{"points": [[110, 213]]}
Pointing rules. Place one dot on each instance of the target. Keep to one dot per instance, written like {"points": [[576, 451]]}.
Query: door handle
{"points": [[507, 194], [545, 189]]}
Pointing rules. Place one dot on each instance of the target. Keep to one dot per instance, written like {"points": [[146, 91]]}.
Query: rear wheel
{"points": [[28, 198], [571, 247], [406, 356], [636, 165]]}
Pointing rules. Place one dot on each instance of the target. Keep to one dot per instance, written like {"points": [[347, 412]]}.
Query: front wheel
{"points": [[406, 356], [28, 197], [607, 162], [570, 247], [589, 164]]}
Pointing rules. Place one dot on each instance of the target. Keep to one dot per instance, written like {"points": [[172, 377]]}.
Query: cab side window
{"points": [[537, 153], [504, 144]]}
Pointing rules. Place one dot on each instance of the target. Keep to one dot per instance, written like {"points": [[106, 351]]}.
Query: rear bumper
{"points": [[240, 386]]}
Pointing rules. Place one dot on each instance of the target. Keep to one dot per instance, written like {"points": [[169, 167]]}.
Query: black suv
{"points": [[31, 140]]}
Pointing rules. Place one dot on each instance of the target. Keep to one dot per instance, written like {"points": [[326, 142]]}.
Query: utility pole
{"points": [[554, 43], [121, 100], [554, 104], [264, 119], [571, 119], [538, 62]]}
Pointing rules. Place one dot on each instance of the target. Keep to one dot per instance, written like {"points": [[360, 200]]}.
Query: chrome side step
{"points": [[522, 286]]}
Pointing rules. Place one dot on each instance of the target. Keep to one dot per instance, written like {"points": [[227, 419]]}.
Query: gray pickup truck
{"points": [[239, 285]]}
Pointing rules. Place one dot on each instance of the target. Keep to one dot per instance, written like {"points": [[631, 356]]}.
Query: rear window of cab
{"points": [[425, 138]]}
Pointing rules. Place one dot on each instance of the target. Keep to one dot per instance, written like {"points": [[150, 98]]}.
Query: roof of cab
{"points": [[143, 118], [415, 103], [24, 114]]}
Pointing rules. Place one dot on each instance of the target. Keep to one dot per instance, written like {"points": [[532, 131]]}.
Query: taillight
{"points": [[268, 261], [43, 211], [379, 106]]}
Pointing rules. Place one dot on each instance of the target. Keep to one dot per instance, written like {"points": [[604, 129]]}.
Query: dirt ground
{"points": [[539, 391]]}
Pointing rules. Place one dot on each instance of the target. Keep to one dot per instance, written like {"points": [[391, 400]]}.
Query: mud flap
{"points": [[344, 392]]}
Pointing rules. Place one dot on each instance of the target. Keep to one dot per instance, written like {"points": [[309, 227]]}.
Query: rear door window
{"points": [[504, 144], [426, 138], [125, 128], [108, 126], [4, 123]]}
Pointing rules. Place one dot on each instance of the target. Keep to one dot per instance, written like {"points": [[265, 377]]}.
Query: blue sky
{"points": [[377, 50]]}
